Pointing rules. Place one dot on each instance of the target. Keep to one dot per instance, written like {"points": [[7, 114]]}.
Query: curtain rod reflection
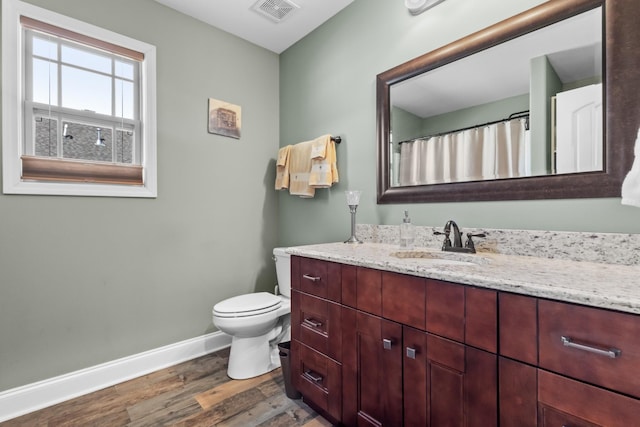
{"points": [[518, 115]]}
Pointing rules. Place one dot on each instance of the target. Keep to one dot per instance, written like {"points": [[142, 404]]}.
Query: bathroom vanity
{"points": [[425, 338]]}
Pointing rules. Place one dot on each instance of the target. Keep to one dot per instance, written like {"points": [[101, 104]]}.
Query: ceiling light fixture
{"points": [[275, 10], [416, 7]]}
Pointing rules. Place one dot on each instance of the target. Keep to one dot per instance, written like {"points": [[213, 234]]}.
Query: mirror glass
{"points": [[531, 106]]}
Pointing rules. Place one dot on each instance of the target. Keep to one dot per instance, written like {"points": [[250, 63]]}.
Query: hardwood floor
{"points": [[197, 393]]}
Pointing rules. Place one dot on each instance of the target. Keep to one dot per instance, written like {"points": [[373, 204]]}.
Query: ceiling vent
{"points": [[275, 10]]}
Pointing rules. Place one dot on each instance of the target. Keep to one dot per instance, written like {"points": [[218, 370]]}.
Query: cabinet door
{"points": [[447, 383], [372, 370], [518, 394]]}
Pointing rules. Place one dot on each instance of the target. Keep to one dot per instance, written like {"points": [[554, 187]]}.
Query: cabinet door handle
{"points": [[312, 323], [411, 353], [386, 344], [312, 278], [313, 376], [612, 352]]}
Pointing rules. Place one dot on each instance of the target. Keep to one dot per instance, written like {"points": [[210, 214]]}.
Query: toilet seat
{"points": [[247, 305]]}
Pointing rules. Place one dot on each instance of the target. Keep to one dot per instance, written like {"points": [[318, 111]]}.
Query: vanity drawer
{"points": [[481, 319], [316, 323], [445, 309], [403, 299], [566, 402], [518, 327], [317, 277], [369, 290], [594, 345], [317, 378]]}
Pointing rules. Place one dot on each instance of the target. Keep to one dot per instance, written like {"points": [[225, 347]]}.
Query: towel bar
{"points": [[336, 139]]}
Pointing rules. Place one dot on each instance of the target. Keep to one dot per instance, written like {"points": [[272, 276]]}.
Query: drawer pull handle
{"points": [[612, 353], [312, 323], [313, 376], [312, 278], [386, 344], [411, 353]]}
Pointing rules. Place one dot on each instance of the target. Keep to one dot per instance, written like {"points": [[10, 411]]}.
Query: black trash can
{"points": [[285, 361]]}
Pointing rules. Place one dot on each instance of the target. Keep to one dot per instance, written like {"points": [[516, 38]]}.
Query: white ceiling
{"points": [[238, 18]]}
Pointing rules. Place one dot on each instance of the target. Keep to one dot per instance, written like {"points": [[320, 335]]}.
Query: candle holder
{"points": [[353, 199]]}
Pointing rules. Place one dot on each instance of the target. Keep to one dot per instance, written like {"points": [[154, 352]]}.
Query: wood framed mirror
{"points": [[620, 78]]}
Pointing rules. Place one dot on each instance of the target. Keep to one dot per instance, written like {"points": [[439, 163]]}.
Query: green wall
{"points": [[328, 86], [86, 280]]}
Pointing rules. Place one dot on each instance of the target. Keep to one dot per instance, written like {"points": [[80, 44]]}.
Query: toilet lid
{"points": [[248, 304]]}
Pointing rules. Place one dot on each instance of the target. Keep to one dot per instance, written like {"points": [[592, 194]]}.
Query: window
{"points": [[81, 120]]}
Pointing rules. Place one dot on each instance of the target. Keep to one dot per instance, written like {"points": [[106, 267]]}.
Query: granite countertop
{"points": [[610, 286]]}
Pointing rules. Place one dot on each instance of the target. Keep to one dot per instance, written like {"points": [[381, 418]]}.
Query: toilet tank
{"points": [[283, 271]]}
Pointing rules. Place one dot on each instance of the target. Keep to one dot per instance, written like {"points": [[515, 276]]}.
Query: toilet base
{"points": [[252, 357]]}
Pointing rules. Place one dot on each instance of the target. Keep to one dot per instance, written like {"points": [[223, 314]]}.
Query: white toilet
{"points": [[257, 323]]}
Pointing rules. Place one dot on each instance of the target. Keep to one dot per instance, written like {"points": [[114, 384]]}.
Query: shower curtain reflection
{"points": [[499, 150]]}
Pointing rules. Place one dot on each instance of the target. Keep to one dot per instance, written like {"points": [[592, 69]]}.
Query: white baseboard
{"points": [[31, 397]]}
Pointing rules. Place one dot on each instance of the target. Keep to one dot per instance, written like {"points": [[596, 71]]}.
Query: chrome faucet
{"points": [[456, 246]]}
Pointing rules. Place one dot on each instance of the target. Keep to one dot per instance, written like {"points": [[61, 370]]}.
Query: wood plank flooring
{"points": [[197, 393]]}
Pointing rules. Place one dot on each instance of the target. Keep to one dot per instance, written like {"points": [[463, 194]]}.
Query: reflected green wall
{"points": [[476, 115], [328, 86], [545, 83], [86, 280]]}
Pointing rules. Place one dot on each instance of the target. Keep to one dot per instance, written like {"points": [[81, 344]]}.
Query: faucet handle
{"points": [[447, 240], [469, 244]]}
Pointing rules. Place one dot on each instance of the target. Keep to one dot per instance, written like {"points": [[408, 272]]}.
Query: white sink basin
{"points": [[439, 257]]}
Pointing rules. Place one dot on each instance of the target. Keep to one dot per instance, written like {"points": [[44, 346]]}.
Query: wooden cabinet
{"points": [[597, 346], [316, 346], [518, 349], [447, 383], [378, 348], [577, 403], [372, 370], [567, 365], [318, 378], [405, 350]]}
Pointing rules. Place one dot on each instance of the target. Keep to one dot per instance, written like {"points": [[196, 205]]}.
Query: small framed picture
{"points": [[224, 118]]}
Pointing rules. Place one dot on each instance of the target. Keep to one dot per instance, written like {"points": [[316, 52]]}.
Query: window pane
{"points": [[83, 143], [124, 70], [45, 82], [124, 99], [84, 59], [84, 90], [46, 137], [124, 146], [45, 48]]}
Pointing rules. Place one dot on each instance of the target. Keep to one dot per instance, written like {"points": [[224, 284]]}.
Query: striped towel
{"points": [[299, 170], [282, 168], [324, 170]]}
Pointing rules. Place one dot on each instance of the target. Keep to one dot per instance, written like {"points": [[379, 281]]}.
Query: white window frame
{"points": [[13, 102]]}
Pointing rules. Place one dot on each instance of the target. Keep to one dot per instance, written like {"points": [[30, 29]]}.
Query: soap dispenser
{"points": [[406, 232]]}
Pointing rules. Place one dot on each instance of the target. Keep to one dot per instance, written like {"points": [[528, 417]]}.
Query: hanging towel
{"points": [[631, 183], [282, 168], [324, 169], [299, 170]]}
